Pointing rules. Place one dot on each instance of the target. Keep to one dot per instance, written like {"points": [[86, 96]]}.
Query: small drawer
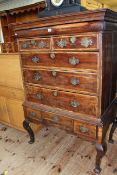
{"points": [[79, 42], [32, 114], [60, 121], [75, 102], [85, 129], [79, 61], [34, 44], [77, 82]]}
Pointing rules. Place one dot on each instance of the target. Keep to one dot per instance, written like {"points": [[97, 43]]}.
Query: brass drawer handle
{"points": [[61, 43], [33, 42], [35, 59], [54, 73], [37, 76], [52, 56], [25, 45], [86, 42], [55, 119], [74, 104], [41, 44], [55, 93], [84, 129], [74, 61], [73, 40], [75, 81], [32, 114], [39, 96]]}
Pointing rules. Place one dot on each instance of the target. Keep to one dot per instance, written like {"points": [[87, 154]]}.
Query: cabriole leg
{"points": [[101, 151], [114, 126], [29, 130]]}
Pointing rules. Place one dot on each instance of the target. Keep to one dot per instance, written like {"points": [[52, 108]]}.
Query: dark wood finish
{"points": [[113, 128], [79, 42], [58, 29], [83, 104], [81, 20], [9, 47], [101, 151], [58, 121], [6, 19], [34, 44], [29, 130], [89, 103], [109, 64], [114, 122], [107, 118], [70, 114], [85, 130], [21, 14], [70, 81], [30, 113], [85, 42], [87, 61], [25, 11]]}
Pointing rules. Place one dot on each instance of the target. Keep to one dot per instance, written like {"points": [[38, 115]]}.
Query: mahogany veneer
{"points": [[69, 71]]}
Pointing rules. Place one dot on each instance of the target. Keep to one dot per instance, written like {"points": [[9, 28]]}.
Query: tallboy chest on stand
{"points": [[69, 73]]}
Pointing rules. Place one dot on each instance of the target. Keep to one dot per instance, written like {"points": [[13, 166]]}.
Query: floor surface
{"points": [[55, 152]]}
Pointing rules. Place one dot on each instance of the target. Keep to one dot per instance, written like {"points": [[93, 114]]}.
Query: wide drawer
{"points": [[76, 42], [32, 114], [85, 130], [84, 104], [64, 80], [79, 61], [60, 121], [34, 44]]}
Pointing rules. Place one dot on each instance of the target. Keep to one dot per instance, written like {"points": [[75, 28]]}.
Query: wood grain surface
{"points": [[55, 152]]}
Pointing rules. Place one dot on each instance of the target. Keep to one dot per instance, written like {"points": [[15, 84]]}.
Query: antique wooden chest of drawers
{"points": [[69, 73]]}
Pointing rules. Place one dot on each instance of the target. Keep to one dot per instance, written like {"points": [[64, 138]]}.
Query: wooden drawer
{"points": [[32, 114], [60, 121], [84, 104], [63, 80], [79, 61], [79, 42], [85, 130], [34, 44]]}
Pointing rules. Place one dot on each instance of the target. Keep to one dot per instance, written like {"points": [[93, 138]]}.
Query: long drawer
{"points": [[64, 80], [79, 61], [60, 121], [75, 102]]}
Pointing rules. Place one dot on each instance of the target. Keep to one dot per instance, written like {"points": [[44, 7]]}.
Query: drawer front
{"points": [[77, 61], [34, 44], [79, 42], [63, 80], [32, 114], [84, 104], [60, 121], [85, 129]]}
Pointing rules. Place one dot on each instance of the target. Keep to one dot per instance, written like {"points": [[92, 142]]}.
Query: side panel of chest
{"points": [[109, 65]]}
